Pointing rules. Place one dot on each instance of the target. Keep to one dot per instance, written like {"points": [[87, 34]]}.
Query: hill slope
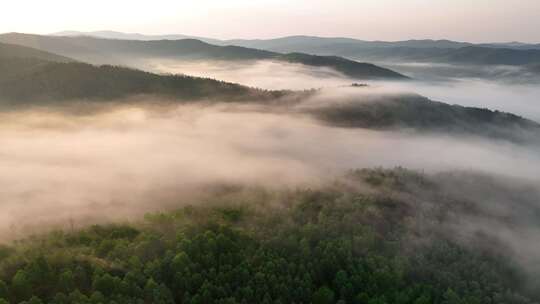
{"points": [[17, 51], [48, 83], [107, 51], [18, 60]]}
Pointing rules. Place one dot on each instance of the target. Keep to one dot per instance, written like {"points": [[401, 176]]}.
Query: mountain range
{"points": [[292, 43], [124, 52], [426, 50]]}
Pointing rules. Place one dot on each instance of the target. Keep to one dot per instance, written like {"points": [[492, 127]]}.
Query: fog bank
{"points": [[467, 86], [55, 166]]}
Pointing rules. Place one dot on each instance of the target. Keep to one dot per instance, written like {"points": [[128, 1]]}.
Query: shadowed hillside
{"points": [[39, 83], [17, 51]]}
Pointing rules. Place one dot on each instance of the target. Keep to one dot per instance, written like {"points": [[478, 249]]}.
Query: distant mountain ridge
{"points": [[321, 44], [423, 50], [469, 55], [291, 43], [114, 51], [131, 36]]}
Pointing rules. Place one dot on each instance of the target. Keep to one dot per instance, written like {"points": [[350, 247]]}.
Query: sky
{"points": [[462, 20]]}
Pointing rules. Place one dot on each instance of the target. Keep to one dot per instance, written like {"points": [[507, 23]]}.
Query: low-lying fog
{"points": [[519, 99], [126, 161], [441, 82], [266, 74]]}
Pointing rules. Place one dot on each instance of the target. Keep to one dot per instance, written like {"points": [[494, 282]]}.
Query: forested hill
{"points": [[411, 111], [111, 51], [79, 81], [34, 77], [42, 83], [375, 237]]}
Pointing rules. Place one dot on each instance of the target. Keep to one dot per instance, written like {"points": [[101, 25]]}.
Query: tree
{"points": [[423, 299], [324, 296], [4, 292], [149, 288], [39, 272], [97, 297], [35, 300], [450, 297], [21, 285], [162, 295], [66, 281], [60, 298], [105, 284]]}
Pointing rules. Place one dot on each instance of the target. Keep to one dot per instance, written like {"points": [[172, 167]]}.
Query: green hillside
{"points": [[389, 243]]}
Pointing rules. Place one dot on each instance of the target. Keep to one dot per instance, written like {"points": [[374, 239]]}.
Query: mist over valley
{"points": [[140, 168]]}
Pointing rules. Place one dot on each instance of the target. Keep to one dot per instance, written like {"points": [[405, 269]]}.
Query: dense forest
{"points": [[374, 236]]}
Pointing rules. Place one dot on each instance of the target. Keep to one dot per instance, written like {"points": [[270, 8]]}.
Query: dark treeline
{"points": [[369, 238]]}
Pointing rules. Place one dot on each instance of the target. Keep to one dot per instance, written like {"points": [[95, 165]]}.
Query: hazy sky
{"points": [[466, 20]]}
